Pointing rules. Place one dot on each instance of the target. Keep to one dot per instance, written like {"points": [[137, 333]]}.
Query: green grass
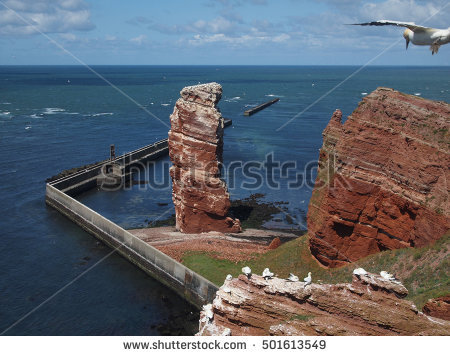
{"points": [[423, 271]]}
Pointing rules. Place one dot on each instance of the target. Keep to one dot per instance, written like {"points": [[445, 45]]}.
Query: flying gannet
{"points": [[418, 35], [267, 274], [247, 271], [308, 279], [292, 278]]}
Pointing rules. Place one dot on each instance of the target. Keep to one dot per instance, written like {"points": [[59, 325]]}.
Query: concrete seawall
{"points": [[59, 195], [188, 284]]}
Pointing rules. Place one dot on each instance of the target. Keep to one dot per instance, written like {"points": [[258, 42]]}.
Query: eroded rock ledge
{"points": [[199, 194], [383, 178], [370, 305]]}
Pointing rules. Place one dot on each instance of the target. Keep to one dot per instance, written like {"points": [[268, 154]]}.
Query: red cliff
{"points": [[382, 178], [370, 305], [199, 194]]}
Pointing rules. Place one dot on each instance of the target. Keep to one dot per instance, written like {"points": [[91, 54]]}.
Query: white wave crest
{"points": [[51, 111]]}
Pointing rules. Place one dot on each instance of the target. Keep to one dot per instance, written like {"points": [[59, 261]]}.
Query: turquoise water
{"points": [[57, 117]]}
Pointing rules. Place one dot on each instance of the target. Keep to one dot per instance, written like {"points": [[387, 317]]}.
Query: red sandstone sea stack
{"points": [[199, 194], [382, 178]]}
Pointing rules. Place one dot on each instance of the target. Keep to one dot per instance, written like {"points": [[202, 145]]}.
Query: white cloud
{"points": [[248, 40], [27, 17], [403, 10], [139, 39]]}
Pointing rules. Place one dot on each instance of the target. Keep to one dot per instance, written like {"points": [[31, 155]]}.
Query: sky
{"points": [[215, 32]]}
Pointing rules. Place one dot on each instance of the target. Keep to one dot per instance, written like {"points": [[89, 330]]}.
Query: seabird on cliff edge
{"points": [[360, 271], [418, 35], [308, 279], [247, 271], [292, 278], [267, 274]]}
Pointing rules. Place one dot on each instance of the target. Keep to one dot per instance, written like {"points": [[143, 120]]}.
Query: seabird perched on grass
{"points": [[308, 279], [360, 272], [247, 271], [267, 274], [229, 277], [292, 278], [418, 35]]}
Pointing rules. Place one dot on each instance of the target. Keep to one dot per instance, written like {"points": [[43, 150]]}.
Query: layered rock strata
{"points": [[382, 178], [199, 194], [438, 308], [370, 305]]}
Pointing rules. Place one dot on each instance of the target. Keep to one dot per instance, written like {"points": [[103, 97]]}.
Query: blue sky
{"points": [[283, 32]]}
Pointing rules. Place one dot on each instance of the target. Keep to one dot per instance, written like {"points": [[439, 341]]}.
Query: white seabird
{"points": [[292, 278], [386, 275], [267, 274], [418, 35], [360, 271], [227, 290], [247, 271], [308, 279], [209, 315], [229, 277]]}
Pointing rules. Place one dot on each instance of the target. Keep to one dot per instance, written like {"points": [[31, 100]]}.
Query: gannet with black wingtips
{"points": [[417, 35], [247, 271], [267, 274], [292, 278]]}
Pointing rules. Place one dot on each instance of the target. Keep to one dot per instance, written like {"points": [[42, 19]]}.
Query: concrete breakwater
{"points": [[190, 285], [86, 178], [260, 107], [59, 195]]}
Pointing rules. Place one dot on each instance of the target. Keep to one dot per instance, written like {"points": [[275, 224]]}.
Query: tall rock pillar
{"points": [[199, 194]]}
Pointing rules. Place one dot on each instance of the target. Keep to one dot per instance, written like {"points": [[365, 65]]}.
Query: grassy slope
{"points": [[423, 271]]}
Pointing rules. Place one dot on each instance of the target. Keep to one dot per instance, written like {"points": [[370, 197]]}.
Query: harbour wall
{"points": [[59, 194], [187, 283]]}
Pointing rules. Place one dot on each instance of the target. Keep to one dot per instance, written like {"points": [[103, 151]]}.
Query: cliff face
{"points": [[199, 194], [382, 178], [438, 308], [370, 305]]}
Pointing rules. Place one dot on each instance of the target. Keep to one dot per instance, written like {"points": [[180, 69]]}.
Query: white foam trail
{"points": [[417, 94], [165, 104], [5, 103], [364, 93], [102, 114], [5, 113], [27, 127], [51, 111]]}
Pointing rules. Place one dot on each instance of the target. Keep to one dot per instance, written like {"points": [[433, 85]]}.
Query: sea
{"points": [[56, 278]]}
